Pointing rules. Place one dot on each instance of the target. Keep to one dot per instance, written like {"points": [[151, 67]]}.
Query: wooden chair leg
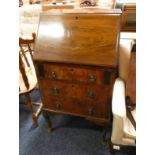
{"points": [[29, 103], [47, 119], [35, 120]]}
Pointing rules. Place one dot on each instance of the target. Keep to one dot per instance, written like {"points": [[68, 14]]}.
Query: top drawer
{"points": [[83, 74]]}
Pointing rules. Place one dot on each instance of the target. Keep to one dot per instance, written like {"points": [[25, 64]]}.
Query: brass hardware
{"points": [[55, 90], [53, 74], [90, 93], [92, 78], [57, 106], [90, 111]]}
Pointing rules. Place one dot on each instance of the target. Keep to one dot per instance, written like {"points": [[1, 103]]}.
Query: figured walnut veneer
{"points": [[77, 65]]}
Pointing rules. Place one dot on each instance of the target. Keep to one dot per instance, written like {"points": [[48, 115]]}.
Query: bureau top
{"points": [[87, 10], [88, 37]]}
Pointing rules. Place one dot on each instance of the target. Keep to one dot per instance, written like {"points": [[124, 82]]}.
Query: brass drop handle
{"points": [[92, 78], [55, 90], [57, 106], [53, 74], [90, 111], [91, 93]]}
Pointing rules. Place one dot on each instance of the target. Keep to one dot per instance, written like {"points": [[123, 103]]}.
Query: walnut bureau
{"points": [[76, 62]]}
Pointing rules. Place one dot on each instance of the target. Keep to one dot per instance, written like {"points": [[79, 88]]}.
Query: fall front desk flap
{"points": [[79, 37]]}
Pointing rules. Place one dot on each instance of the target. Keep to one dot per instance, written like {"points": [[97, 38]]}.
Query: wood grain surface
{"points": [[90, 38]]}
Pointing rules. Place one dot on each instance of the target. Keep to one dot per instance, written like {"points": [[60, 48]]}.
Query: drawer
{"points": [[76, 106], [88, 75], [75, 90]]}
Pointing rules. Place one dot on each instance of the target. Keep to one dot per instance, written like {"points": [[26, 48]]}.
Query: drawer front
{"points": [[77, 106], [75, 90], [93, 75]]}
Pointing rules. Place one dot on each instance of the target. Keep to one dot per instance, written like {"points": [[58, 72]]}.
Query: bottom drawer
{"points": [[77, 106]]}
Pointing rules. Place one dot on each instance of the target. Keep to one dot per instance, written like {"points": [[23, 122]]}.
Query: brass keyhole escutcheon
{"points": [[90, 111], [57, 105], [91, 93], [55, 90], [92, 78], [53, 74]]}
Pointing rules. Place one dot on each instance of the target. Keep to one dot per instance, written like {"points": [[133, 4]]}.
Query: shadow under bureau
{"points": [[76, 62]]}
